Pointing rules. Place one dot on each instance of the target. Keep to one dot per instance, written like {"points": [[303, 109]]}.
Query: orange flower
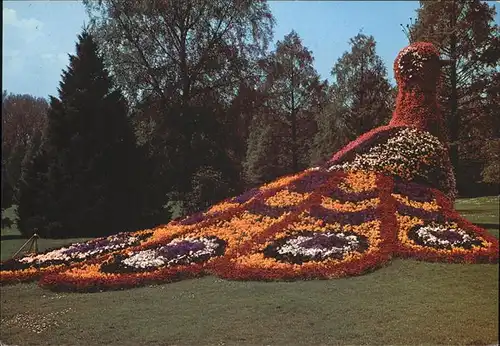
{"points": [[283, 181], [428, 206], [408, 248], [285, 198], [224, 206], [359, 181], [330, 203]]}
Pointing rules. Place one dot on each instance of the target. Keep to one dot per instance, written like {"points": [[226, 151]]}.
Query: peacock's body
{"points": [[389, 193]]}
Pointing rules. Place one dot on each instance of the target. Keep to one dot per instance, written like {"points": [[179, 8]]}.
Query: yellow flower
{"points": [[428, 206]]}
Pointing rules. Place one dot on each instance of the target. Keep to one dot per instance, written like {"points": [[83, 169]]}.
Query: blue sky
{"points": [[38, 35]]}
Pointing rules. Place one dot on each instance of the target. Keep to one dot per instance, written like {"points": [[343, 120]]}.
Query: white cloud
{"points": [[30, 28], [63, 58], [13, 61], [47, 56], [59, 58]]}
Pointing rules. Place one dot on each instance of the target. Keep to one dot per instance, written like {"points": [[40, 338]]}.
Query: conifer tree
{"points": [[264, 159], [85, 179], [360, 82], [285, 130], [333, 129], [466, 33]]}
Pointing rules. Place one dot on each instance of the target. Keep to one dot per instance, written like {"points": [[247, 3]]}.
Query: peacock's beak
{"points": [[446, 62]]}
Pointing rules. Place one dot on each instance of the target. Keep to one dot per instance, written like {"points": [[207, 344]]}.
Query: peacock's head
{"points": [[418, 65]]}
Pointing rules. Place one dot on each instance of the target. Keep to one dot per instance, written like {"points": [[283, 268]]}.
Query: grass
{"points": [[407, 302], [11, 240]]}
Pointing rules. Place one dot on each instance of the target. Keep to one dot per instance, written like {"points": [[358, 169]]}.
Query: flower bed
{"points": [[443, 235], [31, 266], [410, 155], [310, 249], [179, 258], [388, 193], [315, 246], [235, 204], [319, 224], [450, 242], [163, 258], [180, 251], [323, 239]]}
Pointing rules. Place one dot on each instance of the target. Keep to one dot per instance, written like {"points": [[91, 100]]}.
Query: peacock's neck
{"points": [[419, 108]]}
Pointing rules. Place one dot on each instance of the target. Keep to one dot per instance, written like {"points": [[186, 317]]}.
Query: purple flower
{"points": [[318, 247], [260, 208], [245, 197], [343, 196], [344, 218], [324, 242], [96, 244], [413, 191], [422, 214], [180, 249], [439, 236], [310, 182], [449, 235], [191, 220]]}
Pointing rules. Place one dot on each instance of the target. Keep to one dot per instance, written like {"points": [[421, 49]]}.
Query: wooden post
{"points": [[33, 241]]}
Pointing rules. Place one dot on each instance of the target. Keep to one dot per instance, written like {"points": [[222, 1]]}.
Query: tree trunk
{"points": [[293, 120], [454, 120], [295, 160]]}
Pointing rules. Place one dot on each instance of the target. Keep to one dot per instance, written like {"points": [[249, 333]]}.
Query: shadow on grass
{"points": [[486, 225], [12, 237]]}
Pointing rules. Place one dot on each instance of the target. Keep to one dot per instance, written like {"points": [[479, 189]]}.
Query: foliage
{"points": [[466, 32], [333, 129], [178, 49], [185, 62], [491, 171], [263, 162], [360, 82], [284, 129], [209, 187], [86, 178], [23, 124]]}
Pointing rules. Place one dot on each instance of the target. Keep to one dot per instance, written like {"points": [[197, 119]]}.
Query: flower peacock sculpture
{"points": [[389, 193]]}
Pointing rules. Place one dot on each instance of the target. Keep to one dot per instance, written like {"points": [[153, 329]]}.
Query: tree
{"points": [[465, 32], [293, 95], [84, 181], [491, 171], [333, 129], [265, 160], [360, 82], [178, 54], [23, 123]]}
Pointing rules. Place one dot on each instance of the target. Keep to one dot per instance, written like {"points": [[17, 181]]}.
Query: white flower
{"points": [[62, 254], [427, 234], [402, 155], [293, 246], [152, 258]]}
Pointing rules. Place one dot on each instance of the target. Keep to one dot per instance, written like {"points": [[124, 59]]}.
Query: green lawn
{"points": [[14, 243], [407, 302]]}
